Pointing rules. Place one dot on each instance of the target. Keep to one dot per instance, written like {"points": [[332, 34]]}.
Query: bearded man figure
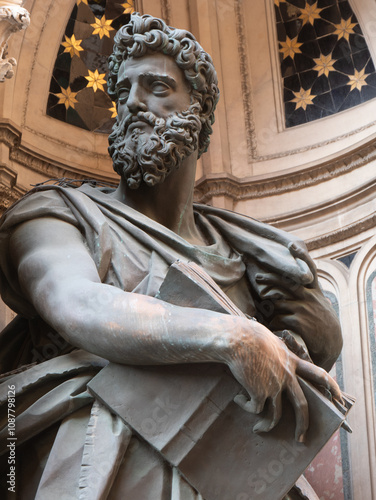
{"points": [[82, 268]]}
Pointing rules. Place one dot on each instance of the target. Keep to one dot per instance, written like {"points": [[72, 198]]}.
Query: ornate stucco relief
{"points": [[13, 18]]}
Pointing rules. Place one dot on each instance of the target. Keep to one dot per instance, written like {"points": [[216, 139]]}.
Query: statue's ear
{"points": [[207, 106]]}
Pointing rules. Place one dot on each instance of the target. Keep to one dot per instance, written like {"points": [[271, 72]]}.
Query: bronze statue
{"points": [[82, 268]]}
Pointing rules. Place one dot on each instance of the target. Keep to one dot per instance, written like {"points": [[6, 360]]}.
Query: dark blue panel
{"points": [[329, 68]]}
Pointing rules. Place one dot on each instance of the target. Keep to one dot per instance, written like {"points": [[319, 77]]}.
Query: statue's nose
{"points": [[135, 101]]}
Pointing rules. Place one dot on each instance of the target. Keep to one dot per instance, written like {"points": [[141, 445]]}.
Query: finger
{"points": [[319, 376], [301, 253], [274, 288], [268, 278], [298, 250], [300, 405], [250, 405], [274, 413], [277, 410]]}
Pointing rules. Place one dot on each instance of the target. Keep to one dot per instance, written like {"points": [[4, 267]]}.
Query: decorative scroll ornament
{"points": [[13, 18]]}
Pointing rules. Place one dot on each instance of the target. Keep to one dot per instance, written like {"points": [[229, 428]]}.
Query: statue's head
{"points": [[184, 130]]}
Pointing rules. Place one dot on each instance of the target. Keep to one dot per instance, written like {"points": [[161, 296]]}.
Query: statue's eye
{"points": [[123, 95], [160, 89]]}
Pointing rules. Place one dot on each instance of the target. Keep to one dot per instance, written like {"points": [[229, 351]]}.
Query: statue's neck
{"points": [[169, 203]]}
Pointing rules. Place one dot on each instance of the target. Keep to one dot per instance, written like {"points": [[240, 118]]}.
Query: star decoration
{"points": [[310, 13], [344, 29], [83, 1], [290, 47], [67, 97], [303, 98], [128, 7], [102, 27], [113, 110], [357, 80], [96, 80], [324, 64], [72, 46]]}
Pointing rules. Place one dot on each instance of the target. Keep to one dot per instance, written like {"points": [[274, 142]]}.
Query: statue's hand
{"points": [[304, 310], [264, 366]]}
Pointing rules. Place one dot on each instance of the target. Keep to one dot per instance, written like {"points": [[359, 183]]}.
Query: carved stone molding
{"points": [[317, 145], [166, 11], [38, 163], [245, 82], [9, 193], [13, 18], [8, 177], [343, 233], [22, 155], [248, 189], [8, 196], [9, 135], [51, 169]]}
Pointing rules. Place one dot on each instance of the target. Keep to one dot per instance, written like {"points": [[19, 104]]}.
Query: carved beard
{"points": [[151, 160]]}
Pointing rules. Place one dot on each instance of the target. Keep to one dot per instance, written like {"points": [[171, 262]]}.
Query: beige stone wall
{"points": [[317, 180]]}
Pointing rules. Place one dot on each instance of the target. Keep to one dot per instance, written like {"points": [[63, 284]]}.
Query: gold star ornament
{"points": [[72, 46], [128, 7], [102, 27], [67, 97], [290, 47], [83, 1], [310, 13], [303, 98], [344, 29], [324, 64], [113, 110], [96, 80], [357, 80]]}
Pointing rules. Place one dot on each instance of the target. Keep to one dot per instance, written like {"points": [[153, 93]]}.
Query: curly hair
{"points": [[145, 34]]}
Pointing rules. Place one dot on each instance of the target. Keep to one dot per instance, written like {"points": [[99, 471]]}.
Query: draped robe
{"points": [[55, 412]]}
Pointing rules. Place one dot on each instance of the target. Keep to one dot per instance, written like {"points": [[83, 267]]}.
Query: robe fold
{"points": [[133, 253]]}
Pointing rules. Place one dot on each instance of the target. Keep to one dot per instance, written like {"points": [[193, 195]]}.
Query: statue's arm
{"points": [[60, 278]]}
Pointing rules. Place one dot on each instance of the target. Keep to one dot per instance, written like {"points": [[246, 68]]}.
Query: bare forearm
{"points": [[61, 280], [135, 329]]}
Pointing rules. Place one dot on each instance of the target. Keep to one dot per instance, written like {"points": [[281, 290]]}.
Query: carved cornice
{"points": [[342, 234], [51, 169], [9, 135], [22, 155], [8, 196], [317, 145], [40, 164], [69, 146], [248, 189], [8, 177]]}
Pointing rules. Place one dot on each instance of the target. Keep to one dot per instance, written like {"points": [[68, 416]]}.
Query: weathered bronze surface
{"points": [[83, 267]]}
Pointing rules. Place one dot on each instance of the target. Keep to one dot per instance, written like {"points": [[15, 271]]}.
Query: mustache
{"points": [[142, 116]]}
